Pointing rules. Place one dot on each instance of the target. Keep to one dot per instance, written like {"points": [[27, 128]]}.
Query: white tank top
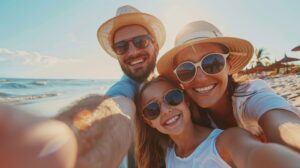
{"points": [[205, 155]]}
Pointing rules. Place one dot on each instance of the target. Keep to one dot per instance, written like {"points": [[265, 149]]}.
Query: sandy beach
{"points": [[288, 87]]}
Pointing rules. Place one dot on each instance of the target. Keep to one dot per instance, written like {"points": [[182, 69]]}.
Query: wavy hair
{"points": [[150, 144]]}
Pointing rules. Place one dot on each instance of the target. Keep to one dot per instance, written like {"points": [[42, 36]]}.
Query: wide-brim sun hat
{"points": [[128, 15], [200, 32]]}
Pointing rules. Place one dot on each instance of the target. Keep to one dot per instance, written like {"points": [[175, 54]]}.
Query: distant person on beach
{"points": [[102, 125], [167, 137], [204, 62]]}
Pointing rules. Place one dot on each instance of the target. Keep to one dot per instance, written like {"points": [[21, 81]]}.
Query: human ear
{"points": [[156, 47]]}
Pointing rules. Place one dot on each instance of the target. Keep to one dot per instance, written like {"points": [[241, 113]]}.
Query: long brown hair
{"points": [[150, 144]]}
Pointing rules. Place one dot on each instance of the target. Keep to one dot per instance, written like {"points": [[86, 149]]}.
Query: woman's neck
{"points": [[222, 113], [189, 139]]}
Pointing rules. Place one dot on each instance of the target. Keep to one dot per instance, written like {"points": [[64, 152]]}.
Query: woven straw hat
{"points": [[240, 51], [128, 15]]}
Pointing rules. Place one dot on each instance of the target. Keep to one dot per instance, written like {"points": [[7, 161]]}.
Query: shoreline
{"points": [[286, 86]]}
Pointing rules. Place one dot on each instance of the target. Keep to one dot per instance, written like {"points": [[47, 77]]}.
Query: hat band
{"points": [[198, 35]]}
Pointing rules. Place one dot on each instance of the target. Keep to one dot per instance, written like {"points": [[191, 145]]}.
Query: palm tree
{"points": [[261, 58]]}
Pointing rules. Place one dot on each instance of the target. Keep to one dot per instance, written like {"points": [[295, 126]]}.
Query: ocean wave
{"points": [[24, 98], [4, 80], [5, 95], [40, 83], [13, 86]]}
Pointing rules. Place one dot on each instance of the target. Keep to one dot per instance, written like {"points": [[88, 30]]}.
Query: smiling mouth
{"points": [[204, 89], [136, 61], [172, 120]]}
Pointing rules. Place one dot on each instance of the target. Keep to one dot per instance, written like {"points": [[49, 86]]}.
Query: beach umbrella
{"points": [[296, 48], [287, 59], [256, 69], [276, 65]]}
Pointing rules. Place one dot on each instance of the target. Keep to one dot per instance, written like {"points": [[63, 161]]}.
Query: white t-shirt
{"points": [[250, 101], [205, 155]]}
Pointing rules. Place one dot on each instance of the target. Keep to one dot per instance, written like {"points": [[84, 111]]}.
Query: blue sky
{"points": [[57, 38]]}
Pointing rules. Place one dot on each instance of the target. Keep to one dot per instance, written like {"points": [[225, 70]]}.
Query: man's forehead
{"points": [[128, 32]]}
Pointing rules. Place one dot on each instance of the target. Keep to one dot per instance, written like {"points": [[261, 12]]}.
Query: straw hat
{"points": [[199, 32], [128, 15]]}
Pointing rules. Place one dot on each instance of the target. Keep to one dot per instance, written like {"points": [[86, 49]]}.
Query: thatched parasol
{"points": [[296, 48], [286, 59]]}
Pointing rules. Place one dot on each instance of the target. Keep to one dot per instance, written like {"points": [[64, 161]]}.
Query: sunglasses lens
{"points": [[174, 97], [141, 41], [213, 63], [186, 71], [121, 47], [151, 111]]}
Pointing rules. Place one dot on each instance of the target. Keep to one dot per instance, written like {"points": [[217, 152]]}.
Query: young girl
{"points": [[203, 62], [166, 136]]}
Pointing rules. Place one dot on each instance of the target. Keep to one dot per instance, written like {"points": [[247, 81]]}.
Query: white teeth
{"points": [[136, 61], [204, 89], [172, 120]]}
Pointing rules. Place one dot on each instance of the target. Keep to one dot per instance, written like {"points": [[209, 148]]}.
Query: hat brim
{"points": [[240, 53], [106, 31]]}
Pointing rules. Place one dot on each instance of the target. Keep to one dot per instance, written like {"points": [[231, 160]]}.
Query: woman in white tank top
{"points": [[167, 137]]}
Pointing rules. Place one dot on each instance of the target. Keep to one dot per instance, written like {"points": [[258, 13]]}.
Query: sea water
{"points": [[46, 97]]}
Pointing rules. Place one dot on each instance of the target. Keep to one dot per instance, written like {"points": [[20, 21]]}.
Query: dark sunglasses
{"points": [[139, 42], [173, 98], [210, 64]]}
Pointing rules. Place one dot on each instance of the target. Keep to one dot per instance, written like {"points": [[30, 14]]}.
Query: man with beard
{"points": [[134, 39], [96, 131]]}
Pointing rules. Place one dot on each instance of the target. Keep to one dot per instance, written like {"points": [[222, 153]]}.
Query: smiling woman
{"points": [[204, 61], [167, 137]]}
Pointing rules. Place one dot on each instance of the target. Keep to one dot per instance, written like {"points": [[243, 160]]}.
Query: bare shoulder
{"points": [[235, 133], [236, 137], [235, 143]]}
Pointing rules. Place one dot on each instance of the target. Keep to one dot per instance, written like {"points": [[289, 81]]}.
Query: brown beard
{"points": [[145, 75], [142, 77]]}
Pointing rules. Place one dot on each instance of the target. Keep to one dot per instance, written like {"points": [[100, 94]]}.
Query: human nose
{"points": [[164, 108], [132, 50], [200, 75]]}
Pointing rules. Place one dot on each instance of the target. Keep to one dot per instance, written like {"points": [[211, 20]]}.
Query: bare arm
{"points": [[31, 142], [244, 151], [103, 132], [283, 127]]}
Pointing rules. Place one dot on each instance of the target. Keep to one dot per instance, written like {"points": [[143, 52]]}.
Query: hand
{"points": [[103, 131]]}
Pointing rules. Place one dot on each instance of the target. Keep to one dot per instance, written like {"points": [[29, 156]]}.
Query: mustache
{"points": [[141, 54]]}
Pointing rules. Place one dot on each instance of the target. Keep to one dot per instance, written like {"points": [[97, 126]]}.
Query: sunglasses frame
{"points": [[198, 64], [147, 36], [159, 102]]}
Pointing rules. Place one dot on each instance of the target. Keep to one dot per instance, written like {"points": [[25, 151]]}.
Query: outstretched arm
{"points": [[31, 142], [283, 127], [103, 129], [244, 151], [100, 127]]}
